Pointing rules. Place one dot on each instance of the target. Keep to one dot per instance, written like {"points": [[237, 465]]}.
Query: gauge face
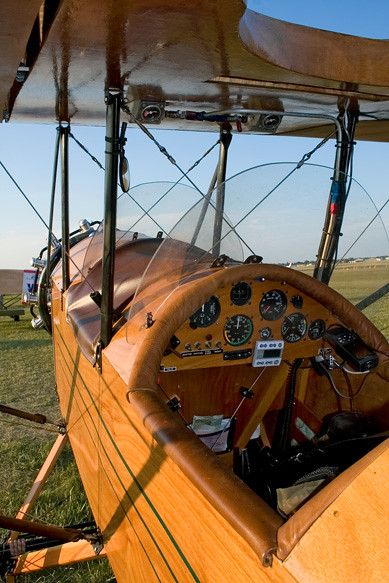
{"points": [[207, 314], [240, 293], [238, 329], [316, 329], [265, 333], [294, 327], [273, 304]]}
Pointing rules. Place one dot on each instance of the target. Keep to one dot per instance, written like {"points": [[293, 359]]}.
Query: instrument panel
{"points": [[228, 326]]}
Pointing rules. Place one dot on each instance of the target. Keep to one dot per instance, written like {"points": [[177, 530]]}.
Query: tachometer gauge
{"points": [[206, 315], [240, 293], [294, 327], [238, 329], [273, 304], [316, 329]]}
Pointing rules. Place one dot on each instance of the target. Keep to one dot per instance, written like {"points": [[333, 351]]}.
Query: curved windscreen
{"points": [[276, 211], [197, 240], [145, 210]]}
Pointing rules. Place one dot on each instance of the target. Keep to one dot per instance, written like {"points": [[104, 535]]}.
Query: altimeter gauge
{"points": [[238, 329], [294, 327], [240, 293], [206, 315]]}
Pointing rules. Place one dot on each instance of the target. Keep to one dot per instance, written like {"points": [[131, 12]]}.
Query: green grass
{"points": [[27, 382], [356, 282]]}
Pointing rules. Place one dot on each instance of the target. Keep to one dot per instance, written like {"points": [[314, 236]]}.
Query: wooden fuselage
{"points": [[169, 508]]}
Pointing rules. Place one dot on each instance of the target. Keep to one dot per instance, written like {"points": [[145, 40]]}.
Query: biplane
{"points": [[228, 415]]}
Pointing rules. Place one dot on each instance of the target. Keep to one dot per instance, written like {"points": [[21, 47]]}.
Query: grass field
{"points": [[357, 280], [27, 382]]}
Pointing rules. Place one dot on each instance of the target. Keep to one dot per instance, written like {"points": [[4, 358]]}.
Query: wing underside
{"points": [[59, 57]]}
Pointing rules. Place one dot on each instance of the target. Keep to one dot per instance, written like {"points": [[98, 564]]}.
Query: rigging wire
{"points": [[178, 181], [24, 195], [378, 214], [163, 151], [237, 408], [299, 164], [78, 269], [145, 212]]}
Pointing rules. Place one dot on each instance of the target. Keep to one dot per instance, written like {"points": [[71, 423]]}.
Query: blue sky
{"points": [[358, 17], [27, 151]]}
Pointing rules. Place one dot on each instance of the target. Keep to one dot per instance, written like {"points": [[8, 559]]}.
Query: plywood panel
{"points": [[348, 541]]}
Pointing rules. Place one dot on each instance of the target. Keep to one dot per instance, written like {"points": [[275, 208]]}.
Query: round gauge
{"points": [[273, 304], [206, 315], [240, 293], [316, 329], [238, 329], [265, 333], [294, 327]]}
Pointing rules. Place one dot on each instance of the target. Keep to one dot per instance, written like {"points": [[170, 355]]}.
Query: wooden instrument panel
{"points": [[225, 329]]}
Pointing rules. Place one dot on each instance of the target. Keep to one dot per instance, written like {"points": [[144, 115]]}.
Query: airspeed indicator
{"points": [[238, 329]]}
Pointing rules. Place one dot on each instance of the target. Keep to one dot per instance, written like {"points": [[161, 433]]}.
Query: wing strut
{"points": [[328, 247], [225, 141], [64, 141], [112, 151]]}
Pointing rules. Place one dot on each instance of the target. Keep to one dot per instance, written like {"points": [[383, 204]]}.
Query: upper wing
{"points": [[200, 55]]}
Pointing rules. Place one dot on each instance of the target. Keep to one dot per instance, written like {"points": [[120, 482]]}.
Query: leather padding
{"points": [[246, 512], [291, 532]]}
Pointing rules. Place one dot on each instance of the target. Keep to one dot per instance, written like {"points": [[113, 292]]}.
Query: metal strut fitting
{"points": [[112, 153], [225, 141], [337, 199]]}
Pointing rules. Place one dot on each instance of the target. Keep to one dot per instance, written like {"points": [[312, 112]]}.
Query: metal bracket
{"points": [[253, 259], [97, 541], [149, 320], [98, 361], [220, 261], [174, 404], [247, 393]]}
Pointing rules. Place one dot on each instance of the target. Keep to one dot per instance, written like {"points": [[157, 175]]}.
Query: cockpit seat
{"points": [[290, 533]]}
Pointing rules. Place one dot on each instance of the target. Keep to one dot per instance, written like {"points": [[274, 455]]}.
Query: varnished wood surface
{"points": [[348, 541], [152, 517], [148, 45], [16, 22], [168, 510], [346, 58], [170, 311], [56, 557], [40, 480], [311, 310]]}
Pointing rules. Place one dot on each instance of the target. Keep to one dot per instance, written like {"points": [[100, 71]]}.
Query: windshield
{"points": [[275, 211]]}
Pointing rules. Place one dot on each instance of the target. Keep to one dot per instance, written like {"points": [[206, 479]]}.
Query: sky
{"points": [[358, 17], [27, 152]]}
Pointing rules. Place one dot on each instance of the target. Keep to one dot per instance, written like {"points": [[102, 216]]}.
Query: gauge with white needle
{"points": [[238, 329], [207, 314]]}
